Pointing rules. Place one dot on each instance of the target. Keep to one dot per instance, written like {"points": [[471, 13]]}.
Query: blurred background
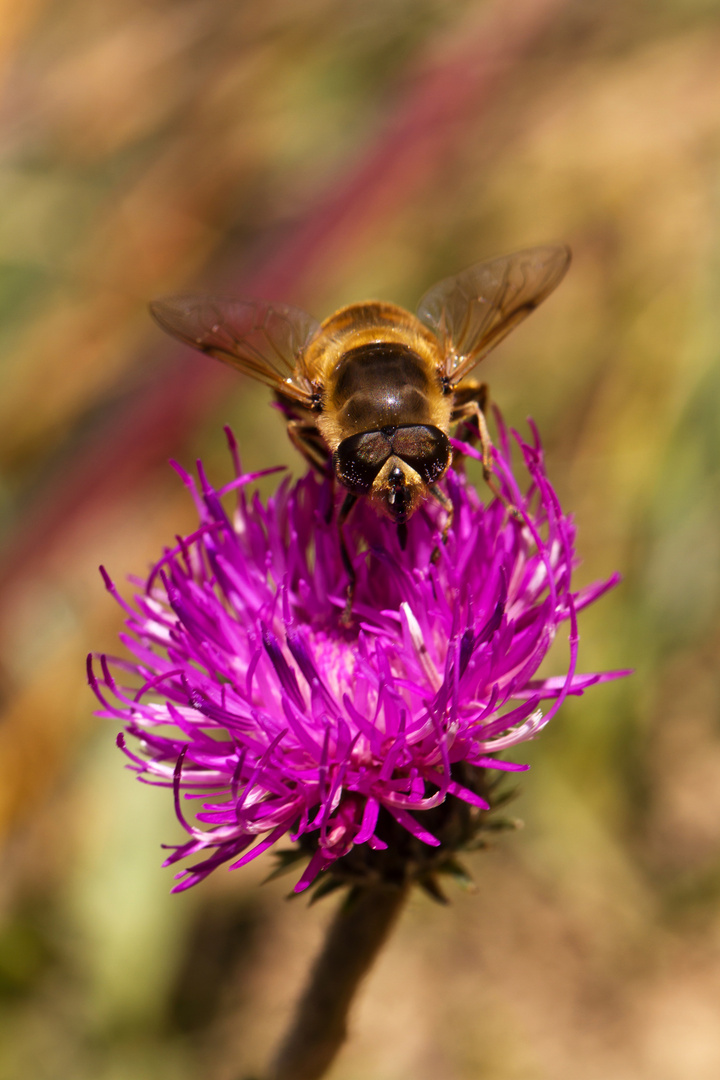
{"points": [[320, 153]]}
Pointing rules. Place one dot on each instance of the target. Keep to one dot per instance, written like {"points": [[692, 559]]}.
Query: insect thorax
{"points": [[379, 384]]}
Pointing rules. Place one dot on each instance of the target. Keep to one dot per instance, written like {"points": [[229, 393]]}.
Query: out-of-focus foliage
{"points": [[320, 153]]}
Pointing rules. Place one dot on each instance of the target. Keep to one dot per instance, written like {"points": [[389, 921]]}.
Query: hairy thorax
{"points": [[380, 369]]}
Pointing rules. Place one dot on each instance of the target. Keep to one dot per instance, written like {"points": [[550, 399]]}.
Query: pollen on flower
{"points": [[248, 696]]}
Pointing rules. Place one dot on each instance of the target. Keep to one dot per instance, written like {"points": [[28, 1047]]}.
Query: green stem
{"points": [[354, 939]]}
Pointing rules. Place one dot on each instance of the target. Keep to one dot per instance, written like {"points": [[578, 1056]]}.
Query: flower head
{"points": [[251, 698]]}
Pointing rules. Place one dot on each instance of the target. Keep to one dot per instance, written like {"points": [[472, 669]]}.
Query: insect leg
{"points": [[469, 408], [468, 397], [439, 495], [308, 441], [345, 509]]}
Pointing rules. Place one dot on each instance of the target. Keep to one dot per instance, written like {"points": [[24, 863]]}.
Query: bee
{"points": [[374, 391]]}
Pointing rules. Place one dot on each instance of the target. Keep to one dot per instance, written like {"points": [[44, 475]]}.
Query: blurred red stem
{"points": [[414, 143]]}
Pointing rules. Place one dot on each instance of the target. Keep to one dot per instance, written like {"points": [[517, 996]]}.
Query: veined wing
{"points": [[265, 341], [473, 311]]}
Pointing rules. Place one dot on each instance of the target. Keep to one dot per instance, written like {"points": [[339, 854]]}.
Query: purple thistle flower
{"points": [[257, 704]]}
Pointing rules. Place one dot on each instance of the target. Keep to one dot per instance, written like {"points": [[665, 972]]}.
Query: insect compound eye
{"points": [[360, 458], [424, 448]]}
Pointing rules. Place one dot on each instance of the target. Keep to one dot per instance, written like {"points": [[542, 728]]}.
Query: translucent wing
{"points": [[265, 341], [476, 309]]}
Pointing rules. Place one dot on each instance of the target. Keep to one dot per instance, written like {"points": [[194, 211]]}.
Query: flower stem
{"points": [[354, 938]]}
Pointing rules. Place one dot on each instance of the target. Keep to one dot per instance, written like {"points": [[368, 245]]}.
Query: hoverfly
{"points": [[374, 391]]}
